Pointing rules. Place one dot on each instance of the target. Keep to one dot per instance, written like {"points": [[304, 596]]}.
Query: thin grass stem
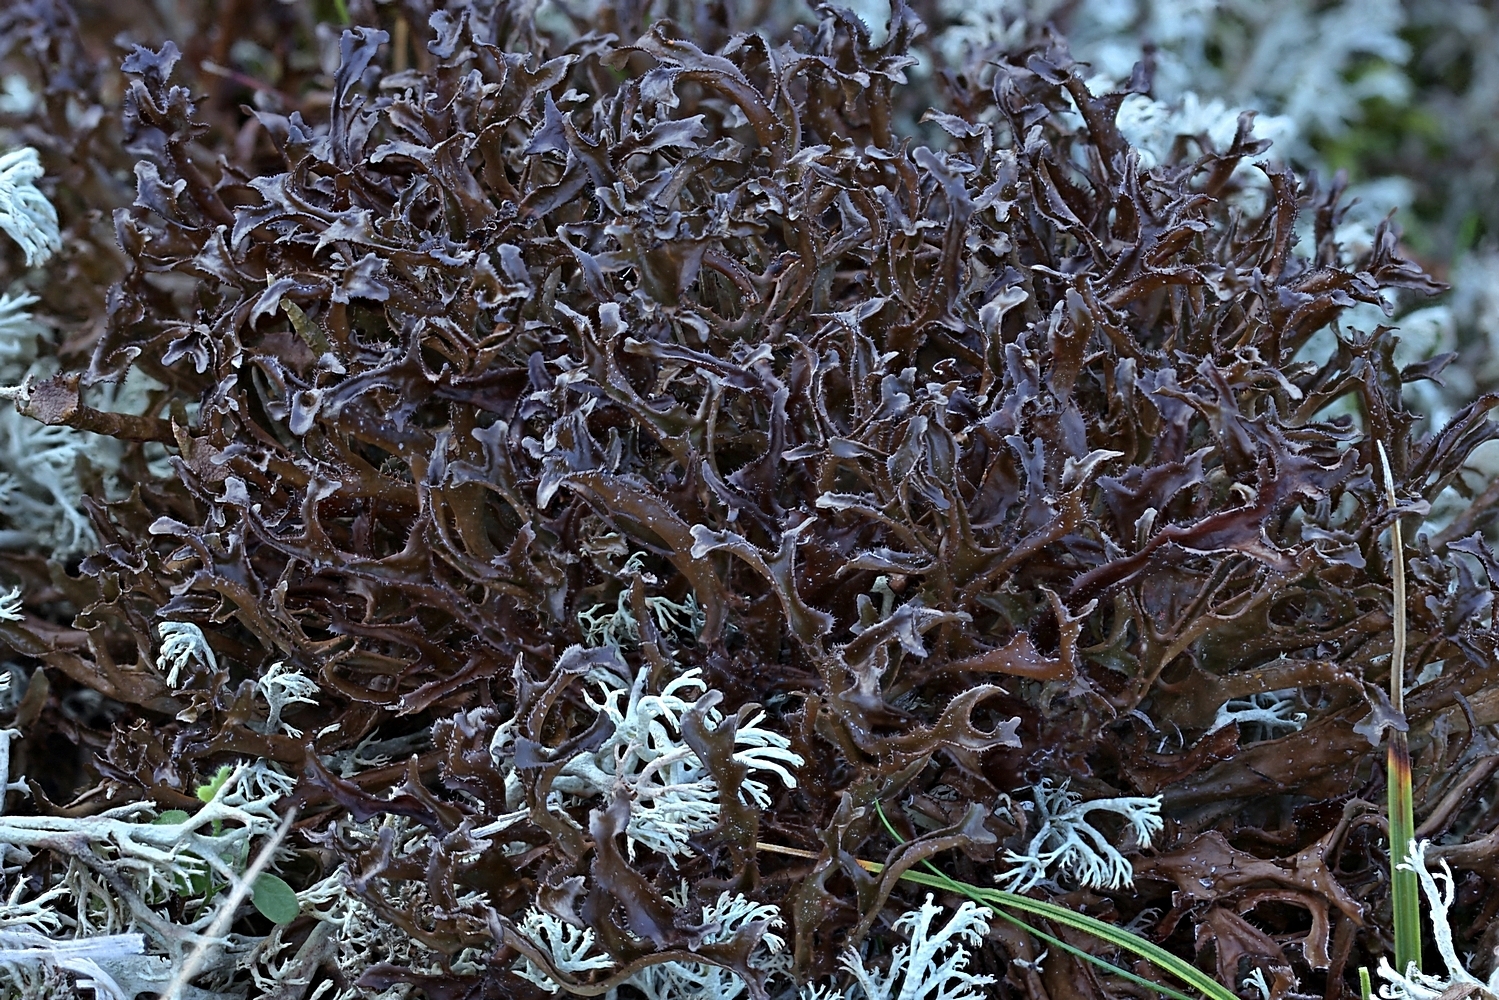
{"points": [[1405, 890]]}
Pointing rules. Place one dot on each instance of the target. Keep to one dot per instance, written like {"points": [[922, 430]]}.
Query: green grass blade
{"points": [[1365, 988], [1107, 966], [1003, 902], [1405, 890]]}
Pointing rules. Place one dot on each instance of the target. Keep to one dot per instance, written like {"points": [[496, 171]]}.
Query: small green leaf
{"points": [[275, 900], [172, 817], [208, 791]]}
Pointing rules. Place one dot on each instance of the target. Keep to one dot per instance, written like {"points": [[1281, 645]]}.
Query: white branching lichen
{"points": [[40, 487], [128, 875], [141, 862], [618, 628], [82, 958], [569, 949], [16, 95], [10, 606], [1066, 843], [44, 469], [282, 686], [18, 332], [672, 797], [566, 946], [819, 991], [1441, 892], [673, 794], [692, 980], [349, 936], [183, 643], [6, 785], [25, 213], [933, 965], [1155, 127], [1261, 716]]}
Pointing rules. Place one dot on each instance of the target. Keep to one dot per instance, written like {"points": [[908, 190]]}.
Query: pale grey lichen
{"points": [[348, 935], [39, 485], [25, 213], [43, 469], [127, 874], [6, 785], [569, 948], [183, 643], [10, 606], [618, 629], [141, 862], [933, 965], [1154, 127], [16, 95], [1261, 716], [18, 332], [281, 686], [88, 959], [819, 991], [673, 795], [1066, 843], [1441, 892], [692, 980]]}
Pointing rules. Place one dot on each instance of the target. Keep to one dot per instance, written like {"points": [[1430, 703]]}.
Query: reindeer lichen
{"points": [[618, 628], [137, 891], [183, 643], [280, 686], [1261, 716], [673, 794], [1066, 843], [25, 213], [932, 964], [10, 606], [568, 947], [1440, 890]]}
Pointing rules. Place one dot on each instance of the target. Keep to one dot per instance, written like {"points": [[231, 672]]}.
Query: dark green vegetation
{"points": [[985, 458]]}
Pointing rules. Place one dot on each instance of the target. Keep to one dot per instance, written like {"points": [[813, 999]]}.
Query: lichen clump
{"points": [[567, 460]]}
